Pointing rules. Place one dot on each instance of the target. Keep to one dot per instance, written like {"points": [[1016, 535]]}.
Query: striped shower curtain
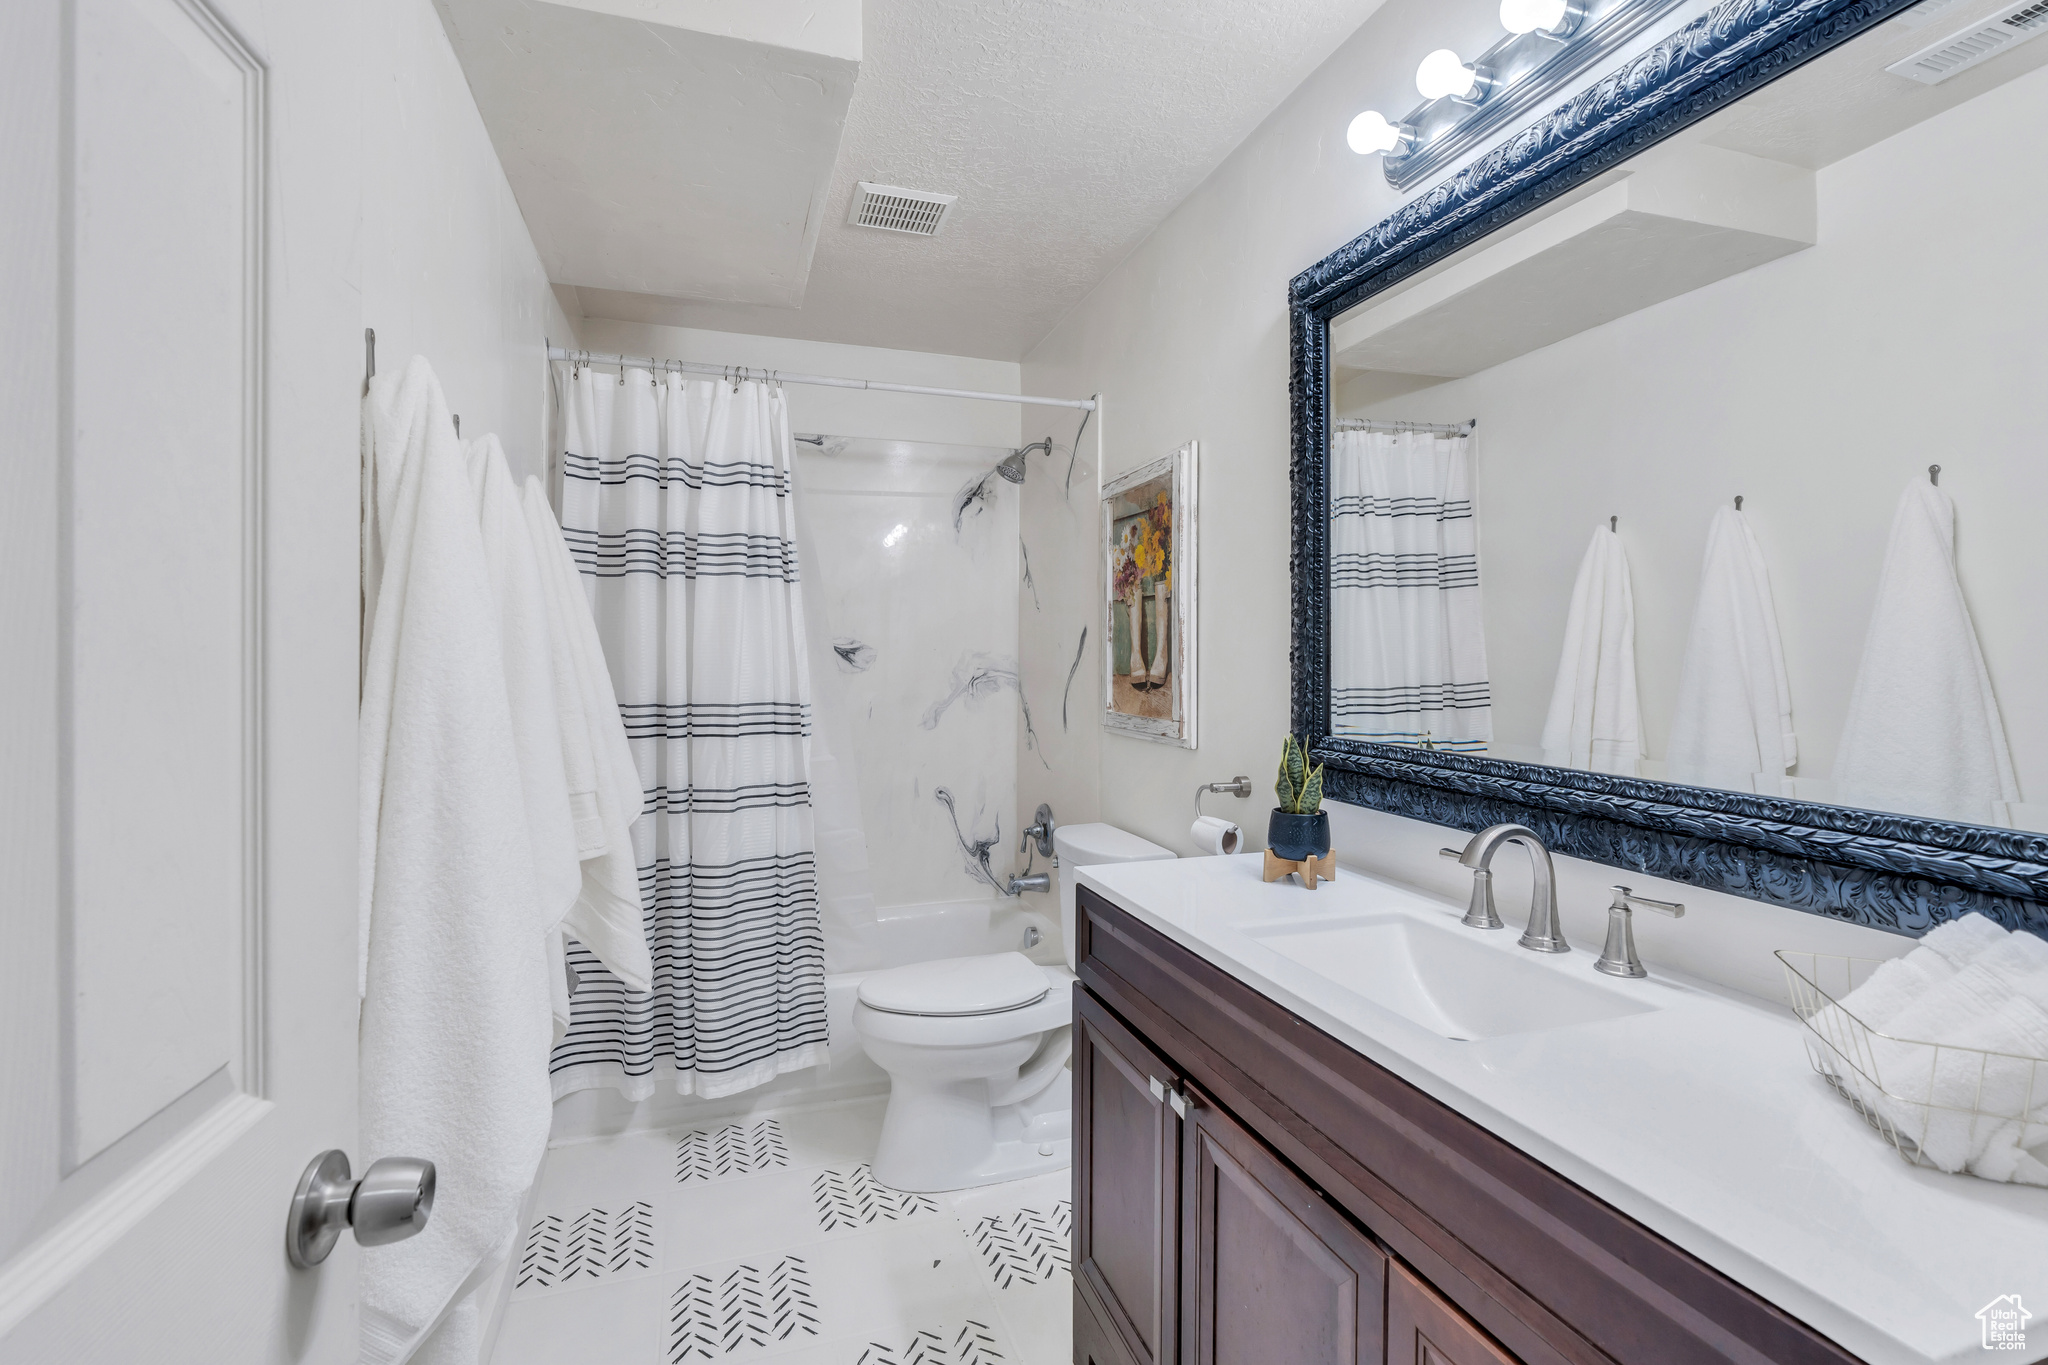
{"points": [[1407, 638], [677, 502]]}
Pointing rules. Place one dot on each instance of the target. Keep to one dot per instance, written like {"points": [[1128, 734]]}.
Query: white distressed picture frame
{"points": [[1183, 465]]}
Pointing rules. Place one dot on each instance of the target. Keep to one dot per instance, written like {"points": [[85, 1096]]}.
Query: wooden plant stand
{"points": [[1310, 870]]}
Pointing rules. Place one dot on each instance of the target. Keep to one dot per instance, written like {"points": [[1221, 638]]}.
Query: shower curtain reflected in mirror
{"points": [[1407, 641]]}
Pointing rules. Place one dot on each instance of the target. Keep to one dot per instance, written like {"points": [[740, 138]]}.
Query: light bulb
{"points": [[1443, 72], [1552, 18], [1370, 132]]}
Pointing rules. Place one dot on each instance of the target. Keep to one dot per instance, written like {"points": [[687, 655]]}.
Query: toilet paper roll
{"points": [[1212, 835]]}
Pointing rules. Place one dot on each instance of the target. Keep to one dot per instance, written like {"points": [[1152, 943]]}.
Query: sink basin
{"points": [[1445, 980]]}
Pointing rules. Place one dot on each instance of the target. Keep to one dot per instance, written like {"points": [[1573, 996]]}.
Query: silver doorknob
{"points": [[389, 1204]]}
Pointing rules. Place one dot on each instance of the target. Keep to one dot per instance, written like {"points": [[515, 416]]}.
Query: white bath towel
{"points": [[1896, 986], [1923, 734], [1966, 1073], [1733, 724], [455, 1007], [526, 635], [1962, 941], [607, 915], [1594, 722]]}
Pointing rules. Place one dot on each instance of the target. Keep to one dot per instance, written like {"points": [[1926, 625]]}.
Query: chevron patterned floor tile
{"points": [[568, 1250], [735, 1149], [768, 1238]]}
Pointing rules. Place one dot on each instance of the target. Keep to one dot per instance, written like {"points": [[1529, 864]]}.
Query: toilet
{"points": [[976, 1048]]}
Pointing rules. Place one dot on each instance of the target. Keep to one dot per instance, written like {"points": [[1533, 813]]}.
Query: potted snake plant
{"points": [[1299, 828]]}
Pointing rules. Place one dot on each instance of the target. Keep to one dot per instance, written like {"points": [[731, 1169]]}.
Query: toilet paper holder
{"points": [[1236, 786]]}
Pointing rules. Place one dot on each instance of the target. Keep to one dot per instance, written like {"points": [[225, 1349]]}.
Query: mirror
{"points": [[1694, 535]]}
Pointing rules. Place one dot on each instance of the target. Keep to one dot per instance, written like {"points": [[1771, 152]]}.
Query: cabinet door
{"points": [[1424, 1329], [1126, 1182], [1269, 1270]]}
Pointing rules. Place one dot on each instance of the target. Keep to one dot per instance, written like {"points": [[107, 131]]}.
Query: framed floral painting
{"points": [[1148, 536]]}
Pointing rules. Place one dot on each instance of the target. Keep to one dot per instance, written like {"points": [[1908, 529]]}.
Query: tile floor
{"points": [[768, 1239]]}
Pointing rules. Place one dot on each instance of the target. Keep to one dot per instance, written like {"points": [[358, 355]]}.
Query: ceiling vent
{"points": [[1978, 43], [894, 209]]}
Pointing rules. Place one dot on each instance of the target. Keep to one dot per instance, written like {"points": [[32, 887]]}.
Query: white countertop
{"points": [[1700, 1118]]}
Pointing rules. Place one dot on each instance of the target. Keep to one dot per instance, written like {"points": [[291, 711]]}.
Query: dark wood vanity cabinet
{"points": [[1249, 1191], [1127, 1175]]}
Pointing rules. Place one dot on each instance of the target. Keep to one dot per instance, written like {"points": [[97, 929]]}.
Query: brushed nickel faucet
{"points": [[1544, 934]]}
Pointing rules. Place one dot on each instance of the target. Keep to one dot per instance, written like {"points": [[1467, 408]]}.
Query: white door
{"points": [[179, 368]]}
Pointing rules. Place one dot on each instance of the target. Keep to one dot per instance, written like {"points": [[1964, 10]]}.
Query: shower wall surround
{"points": [[1059, 616], [918, 574]]}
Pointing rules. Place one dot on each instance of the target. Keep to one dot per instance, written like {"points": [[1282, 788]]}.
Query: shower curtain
{"points": [[678, 504], [1407, 642]]}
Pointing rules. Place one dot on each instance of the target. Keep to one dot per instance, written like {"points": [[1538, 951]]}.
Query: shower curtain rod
{"points": [[781, 376], [1437, 428]]}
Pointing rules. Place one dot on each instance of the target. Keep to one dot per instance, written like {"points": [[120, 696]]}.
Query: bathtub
{"points": [[904, 934]]}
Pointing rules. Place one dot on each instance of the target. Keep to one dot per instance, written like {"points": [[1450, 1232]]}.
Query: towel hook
{"points": [[1738, 502], [369, 356], [456, 417], [1934, 475], [1614, 523]]}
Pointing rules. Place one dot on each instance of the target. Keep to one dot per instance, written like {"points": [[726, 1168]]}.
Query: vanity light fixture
{"points": [[1545, 18], [1370, 132], [1444, 74], [1467, 102]]}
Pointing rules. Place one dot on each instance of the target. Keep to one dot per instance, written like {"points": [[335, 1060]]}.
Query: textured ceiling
{"points": [[658, 158], [1069, 130]]}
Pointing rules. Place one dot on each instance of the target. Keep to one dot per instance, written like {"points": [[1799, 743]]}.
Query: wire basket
{"points": [[1938, 1105]]}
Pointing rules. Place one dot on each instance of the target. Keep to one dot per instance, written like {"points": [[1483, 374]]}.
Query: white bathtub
{"points": [[913, 933]]}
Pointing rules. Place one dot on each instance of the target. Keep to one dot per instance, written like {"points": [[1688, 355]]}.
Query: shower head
{"points": [[1012, 466]]}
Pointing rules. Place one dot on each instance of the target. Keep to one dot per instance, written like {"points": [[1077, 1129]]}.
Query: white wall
{"points": [[1188, 339], [1816, 386], [448, 270]]}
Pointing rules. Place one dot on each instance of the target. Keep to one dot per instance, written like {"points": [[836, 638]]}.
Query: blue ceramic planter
{"points": [[1297, 837]]}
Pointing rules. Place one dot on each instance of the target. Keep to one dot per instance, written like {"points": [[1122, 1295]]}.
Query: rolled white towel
{"points": [[2021, 963], [1895, 985], [1961, 941], [1960, 1078]]}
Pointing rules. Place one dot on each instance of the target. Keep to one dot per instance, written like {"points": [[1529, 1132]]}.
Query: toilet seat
{"points": [[957, 987], [1053, 1009]]}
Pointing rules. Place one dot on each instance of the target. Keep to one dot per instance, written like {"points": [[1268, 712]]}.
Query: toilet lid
{"points": [[987, 984]]}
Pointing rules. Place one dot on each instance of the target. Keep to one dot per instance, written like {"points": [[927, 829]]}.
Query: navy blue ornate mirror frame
{"points": [[1888, 871]]}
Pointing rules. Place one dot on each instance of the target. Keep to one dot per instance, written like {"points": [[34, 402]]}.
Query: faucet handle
{"points": [[1480, 914], [1668, 909], [1618, 957]]}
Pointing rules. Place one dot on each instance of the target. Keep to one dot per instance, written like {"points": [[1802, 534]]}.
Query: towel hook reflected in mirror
{"points": [[1738, 502], [1934, 475], [1614, 523]]}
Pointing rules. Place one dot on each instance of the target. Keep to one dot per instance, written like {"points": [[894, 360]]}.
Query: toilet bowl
{"points": [[976, 1049]]}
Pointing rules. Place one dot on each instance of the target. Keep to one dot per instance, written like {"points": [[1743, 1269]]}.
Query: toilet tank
{"points": [[1079, 846]]}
